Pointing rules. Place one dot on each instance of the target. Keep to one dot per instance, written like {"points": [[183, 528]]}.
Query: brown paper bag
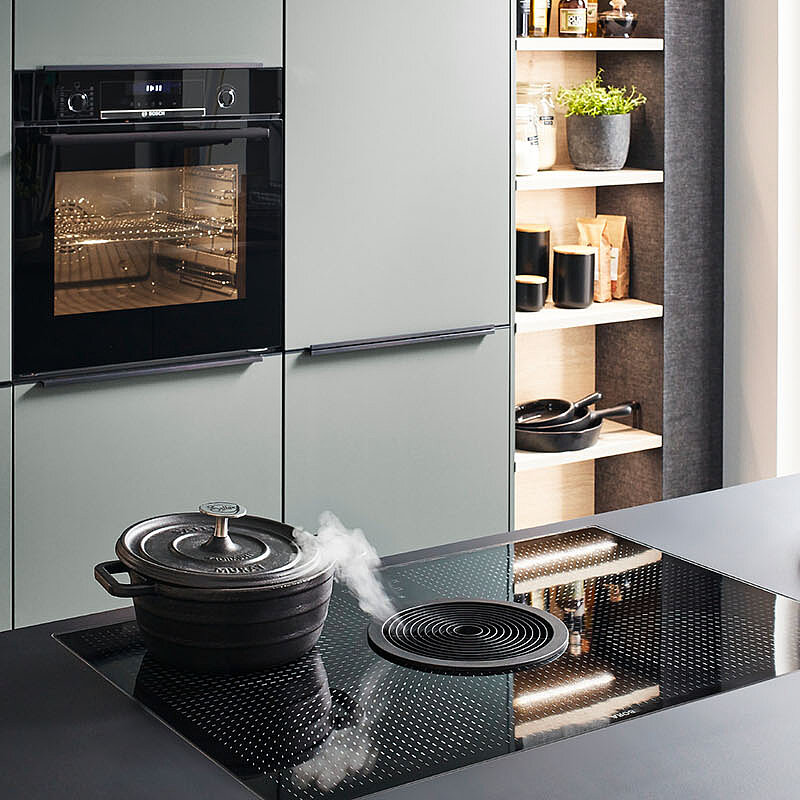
{"points": [[617, 231], [592, 232]]}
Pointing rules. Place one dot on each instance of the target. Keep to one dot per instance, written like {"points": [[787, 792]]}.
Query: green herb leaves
{"points": [[593, 99]]}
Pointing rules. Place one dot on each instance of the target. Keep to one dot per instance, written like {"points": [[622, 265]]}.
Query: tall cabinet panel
{"points": [[92, 459], [148, 32], [397, 167], [5, 190], [410, 444], [5, 508]]}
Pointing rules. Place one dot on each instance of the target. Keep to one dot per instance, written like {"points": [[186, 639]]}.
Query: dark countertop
{"points": [[67, 733]]}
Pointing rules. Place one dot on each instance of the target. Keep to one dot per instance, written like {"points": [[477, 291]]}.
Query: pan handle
{"points": [[104, 575], [622, 410], [589, 400]]}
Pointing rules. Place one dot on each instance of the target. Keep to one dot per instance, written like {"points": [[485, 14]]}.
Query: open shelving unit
{"points": [[551, 318], [616, 347], [615, 440]]}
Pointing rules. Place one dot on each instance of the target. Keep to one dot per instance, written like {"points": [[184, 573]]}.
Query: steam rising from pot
{"points": [[355, 560]]}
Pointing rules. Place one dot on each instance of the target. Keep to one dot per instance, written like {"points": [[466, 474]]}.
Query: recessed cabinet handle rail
{"points": [[401, 341], [140, 370], [200, 137]]}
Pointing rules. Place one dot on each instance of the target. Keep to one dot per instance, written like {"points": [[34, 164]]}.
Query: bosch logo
{"points": [[156, 112]]}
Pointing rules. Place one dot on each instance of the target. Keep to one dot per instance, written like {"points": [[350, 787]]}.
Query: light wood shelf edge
{"points": [[567, 177], [551, 318], [615, 440], [614, 567], [595, 44]]}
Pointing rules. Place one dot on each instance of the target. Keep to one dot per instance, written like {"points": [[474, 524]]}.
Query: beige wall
{"points": [[762, 273]]}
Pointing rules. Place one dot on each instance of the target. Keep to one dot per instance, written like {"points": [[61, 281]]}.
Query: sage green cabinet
{"points": [[397, 167], [411, 444], [5, 508], [92, 459], [71, 32]]}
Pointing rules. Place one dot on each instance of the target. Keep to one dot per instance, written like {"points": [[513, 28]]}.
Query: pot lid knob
{"points": [[222, 512]]}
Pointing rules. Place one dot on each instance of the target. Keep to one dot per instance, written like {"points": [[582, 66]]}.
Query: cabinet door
{"points": [[148, 32], [5, 508], [397, 167], [410, 444], [92, 459], [5, 190]]}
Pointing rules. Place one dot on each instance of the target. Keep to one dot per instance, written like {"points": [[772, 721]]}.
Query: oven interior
{"points": [[144, 237]]}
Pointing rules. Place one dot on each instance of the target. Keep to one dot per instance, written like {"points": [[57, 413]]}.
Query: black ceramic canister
{"points": [[533, 251], [531, 292], [573, 275]]}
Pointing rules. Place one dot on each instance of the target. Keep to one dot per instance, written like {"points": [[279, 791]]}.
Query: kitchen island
{"points": [[68, 733]]}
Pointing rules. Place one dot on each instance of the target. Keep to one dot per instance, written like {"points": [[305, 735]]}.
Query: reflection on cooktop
{"points": [[646, 631]]}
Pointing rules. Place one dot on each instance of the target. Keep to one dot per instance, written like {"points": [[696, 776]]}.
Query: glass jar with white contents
{"points": [[527, 141], [539, 97]]}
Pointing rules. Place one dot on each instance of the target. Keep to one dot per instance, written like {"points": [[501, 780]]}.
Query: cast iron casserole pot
{"points": [[218, 591]]}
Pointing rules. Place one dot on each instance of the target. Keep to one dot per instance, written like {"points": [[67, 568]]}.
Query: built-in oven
{"points": [[148, 216]]}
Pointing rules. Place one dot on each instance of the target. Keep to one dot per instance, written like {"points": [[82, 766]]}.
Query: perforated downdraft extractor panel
{"points": [[470, 636]]}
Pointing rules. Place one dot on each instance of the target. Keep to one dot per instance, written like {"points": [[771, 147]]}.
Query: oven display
{"points": [[151, 94]]}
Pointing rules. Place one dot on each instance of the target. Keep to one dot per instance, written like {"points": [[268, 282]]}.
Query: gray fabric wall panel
{"points": [[685, 89], [630, 480], [651, 16], [693, 246], [645, 71], [629, 367], [630, 359], [644, 208]]}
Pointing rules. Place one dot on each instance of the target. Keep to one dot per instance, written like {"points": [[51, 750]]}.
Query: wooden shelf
{"points": [[567, 177], [615, 440], [551, 318], [641, 558], [556, 43]]}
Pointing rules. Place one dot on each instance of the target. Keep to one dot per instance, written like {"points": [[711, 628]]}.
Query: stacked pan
{"points": [[557, 426]]}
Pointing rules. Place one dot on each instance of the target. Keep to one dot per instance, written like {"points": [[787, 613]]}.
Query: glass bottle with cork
{"points": [[591, 18], [572, 18]]}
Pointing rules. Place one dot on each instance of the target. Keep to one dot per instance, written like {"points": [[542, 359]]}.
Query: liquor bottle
{"points": [[591, 17], [540, 18], [572, 18], [523, 17]]}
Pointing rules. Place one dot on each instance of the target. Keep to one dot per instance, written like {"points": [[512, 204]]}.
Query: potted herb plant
{"points": [[599, 123]]}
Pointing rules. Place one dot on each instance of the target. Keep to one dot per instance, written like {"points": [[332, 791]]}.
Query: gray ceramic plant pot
{"points": [[599, 143]]}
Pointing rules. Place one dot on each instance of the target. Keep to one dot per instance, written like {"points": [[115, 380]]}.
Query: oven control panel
{"points": [[147, 94], [76, 100]]}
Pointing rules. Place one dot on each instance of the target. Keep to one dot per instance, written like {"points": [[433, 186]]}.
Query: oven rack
{"points": [[96, 229]]}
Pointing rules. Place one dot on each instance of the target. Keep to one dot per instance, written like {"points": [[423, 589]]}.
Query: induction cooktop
{"points": [[642, 631]]}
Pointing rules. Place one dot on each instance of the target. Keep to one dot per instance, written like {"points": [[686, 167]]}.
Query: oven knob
{"points": [[78, 102], [226, 97]]}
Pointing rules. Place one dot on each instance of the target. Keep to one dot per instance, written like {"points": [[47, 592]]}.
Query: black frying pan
{"points": [[551, 411], [559, 440], [584, 418]]}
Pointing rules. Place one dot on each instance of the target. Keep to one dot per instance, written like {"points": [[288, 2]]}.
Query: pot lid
{"points": [[217, 547]]}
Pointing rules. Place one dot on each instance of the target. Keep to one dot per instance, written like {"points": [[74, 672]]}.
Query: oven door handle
{"points": [[201, 137], [93, 375]]}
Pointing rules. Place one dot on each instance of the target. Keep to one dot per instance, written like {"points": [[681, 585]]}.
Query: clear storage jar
{"points": [[539, 98], [527, 142]]}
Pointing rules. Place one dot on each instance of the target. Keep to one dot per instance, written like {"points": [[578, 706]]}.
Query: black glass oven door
{"points": [[141, 242]]}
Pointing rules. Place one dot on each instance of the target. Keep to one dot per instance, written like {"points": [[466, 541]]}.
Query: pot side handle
{"points": [[104, 575]]}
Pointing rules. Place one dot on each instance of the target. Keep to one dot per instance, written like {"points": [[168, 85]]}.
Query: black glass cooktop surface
{"points": [[646, 631]]}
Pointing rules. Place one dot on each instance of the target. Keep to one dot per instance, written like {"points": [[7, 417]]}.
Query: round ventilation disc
{"points": [[470, 636]]}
